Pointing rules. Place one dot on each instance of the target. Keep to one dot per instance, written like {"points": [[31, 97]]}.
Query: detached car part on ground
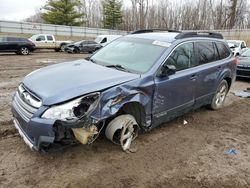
{"points": [[136, 82]]}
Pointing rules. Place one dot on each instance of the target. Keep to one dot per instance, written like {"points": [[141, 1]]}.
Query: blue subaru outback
{"points": [[136, 82]]}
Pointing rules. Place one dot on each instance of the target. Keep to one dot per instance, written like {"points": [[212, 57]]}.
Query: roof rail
{"points": [[153, 30], [199, 34]]}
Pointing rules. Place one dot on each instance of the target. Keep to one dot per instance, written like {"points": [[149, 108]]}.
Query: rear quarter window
{"points": [[223, 50]]}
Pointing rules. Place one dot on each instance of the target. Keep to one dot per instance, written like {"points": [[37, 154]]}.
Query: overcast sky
{"points": [[18, 10]]}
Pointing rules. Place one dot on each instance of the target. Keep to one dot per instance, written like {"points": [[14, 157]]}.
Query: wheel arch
{"points": [[135, 109]]}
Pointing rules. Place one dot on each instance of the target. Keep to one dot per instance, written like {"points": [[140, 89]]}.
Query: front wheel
{"points": [[76, 51], [220, 96], [122, 130], [24, 51]]}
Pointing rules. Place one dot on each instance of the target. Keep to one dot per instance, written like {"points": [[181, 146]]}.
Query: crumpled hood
{"points": [[64, 81]]}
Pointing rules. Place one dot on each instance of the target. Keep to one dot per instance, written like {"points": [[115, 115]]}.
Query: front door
{"points": [[174, 94]]}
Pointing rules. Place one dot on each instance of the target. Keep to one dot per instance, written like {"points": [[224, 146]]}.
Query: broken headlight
{"points": [[73, 110]]}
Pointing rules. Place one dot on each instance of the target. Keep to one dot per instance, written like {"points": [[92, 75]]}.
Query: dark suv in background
{"points": [[21, 46], [136, 82]]}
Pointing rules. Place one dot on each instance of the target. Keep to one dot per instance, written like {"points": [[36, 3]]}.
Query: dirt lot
{"points": [[173, 155]]}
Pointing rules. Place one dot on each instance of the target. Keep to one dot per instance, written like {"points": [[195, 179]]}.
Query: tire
{"points": [[57, 50], [62, 47], [24, 50], [122, 130], [220, 96]]}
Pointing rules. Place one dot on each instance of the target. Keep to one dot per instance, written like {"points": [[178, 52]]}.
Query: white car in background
{"points": [[237, 46], [105, 39]]}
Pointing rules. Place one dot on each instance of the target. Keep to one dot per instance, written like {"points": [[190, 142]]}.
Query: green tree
{"points": [[63, 12], [112, 14]]}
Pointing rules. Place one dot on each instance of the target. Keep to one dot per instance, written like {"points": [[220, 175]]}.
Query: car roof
{"points": [[171, 36], [161, 36]]}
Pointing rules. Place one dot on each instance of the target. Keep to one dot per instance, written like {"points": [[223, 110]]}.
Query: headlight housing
{"points": [[74, 109]]}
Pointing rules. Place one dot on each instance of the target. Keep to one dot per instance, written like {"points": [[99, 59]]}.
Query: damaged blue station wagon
{"points": [[136, 82]]}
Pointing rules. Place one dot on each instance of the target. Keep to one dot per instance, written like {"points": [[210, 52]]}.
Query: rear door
{"points": [[209, 71], [13, 43], [174, 94], [50, 41], [84, 46]]}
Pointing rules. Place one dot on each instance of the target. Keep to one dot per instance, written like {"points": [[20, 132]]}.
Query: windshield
{"points": [[133, 54], [246, 53]]}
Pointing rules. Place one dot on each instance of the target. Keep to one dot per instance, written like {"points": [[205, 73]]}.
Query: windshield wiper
{"points": [[118, 67]]}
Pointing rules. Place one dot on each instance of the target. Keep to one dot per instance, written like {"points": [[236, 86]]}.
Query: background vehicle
{"points": [[137, 81], [243, 67], [83, 46], [21, 46], [47, 41], [237, 46], [105, 39]]}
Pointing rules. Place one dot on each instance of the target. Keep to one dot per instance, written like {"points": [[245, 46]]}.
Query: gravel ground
{"points": [[172, 155]]}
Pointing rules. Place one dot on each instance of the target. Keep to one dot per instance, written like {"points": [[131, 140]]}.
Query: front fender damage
{"points": [[88, 128]]}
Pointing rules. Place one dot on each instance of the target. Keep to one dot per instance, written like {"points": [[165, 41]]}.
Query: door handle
{"points": [[219, 67]]}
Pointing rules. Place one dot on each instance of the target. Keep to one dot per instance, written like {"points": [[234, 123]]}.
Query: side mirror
{"points": [[38, 39], [167, 70]]}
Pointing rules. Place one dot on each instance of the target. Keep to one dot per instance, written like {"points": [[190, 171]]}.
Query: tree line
{"points": [[131, 15]]}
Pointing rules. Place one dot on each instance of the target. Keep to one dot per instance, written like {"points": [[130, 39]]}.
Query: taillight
{"points": [[235, 60]]}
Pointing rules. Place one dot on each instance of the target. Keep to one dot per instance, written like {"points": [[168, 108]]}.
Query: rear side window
{"points": [[206, 52], [223, 50], [12, 39], [49, 37]]}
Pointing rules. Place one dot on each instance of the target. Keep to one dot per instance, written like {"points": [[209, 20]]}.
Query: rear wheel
{"points": [[24, 50], [219, 96]]}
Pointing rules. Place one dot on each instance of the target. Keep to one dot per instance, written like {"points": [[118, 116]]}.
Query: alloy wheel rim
{"points": [[25, 51], [220, 96]]}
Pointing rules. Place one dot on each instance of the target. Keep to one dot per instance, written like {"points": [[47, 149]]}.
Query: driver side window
{"points": [[182, 57]]}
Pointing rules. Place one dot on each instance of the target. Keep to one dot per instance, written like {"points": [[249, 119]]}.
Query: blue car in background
{"points": [[136, 82]]}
